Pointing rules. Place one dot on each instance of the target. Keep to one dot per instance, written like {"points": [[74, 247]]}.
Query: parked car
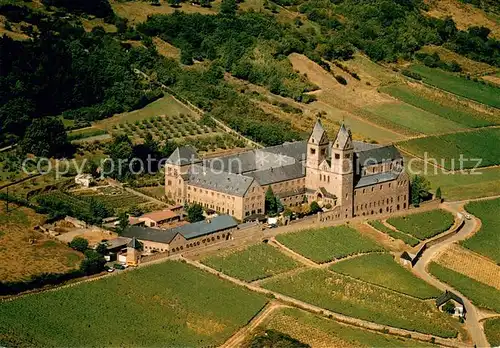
{"points": [[109, 269], [118, 266], [467, 216]]}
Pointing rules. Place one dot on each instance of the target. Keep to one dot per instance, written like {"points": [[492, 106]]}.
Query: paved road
{"points": [[472, 323]]}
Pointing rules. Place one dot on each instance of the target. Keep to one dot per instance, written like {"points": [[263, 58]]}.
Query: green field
{"points": [[415, 119], [167, 304], [460, 185], [443, 149], [480, 294], [253, 263], [410, 96], [381, 269], [453, 83], [492, 331], [358, 299], [326, 244], [410, 240], [85, 133], [487, 240], [423, 225], [313, 329]]}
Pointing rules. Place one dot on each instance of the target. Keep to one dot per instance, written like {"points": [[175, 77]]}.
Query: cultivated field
{"points": [[487, 240], [415, 119], [480, 294], [470, 264], [167, 304], [365, 301], [321, 332], [378, 225], [460, 116], [445, 150], [492, 331], [326, 244], [423, 225], [253, 263], [25, 252], [482, 93], [383, 270], [459, 185], [114, 198]]}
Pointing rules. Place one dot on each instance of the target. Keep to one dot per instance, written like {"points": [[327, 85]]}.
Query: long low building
{"points": [[183, 238]]}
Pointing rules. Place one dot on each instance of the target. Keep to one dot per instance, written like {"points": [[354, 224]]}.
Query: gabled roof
{"points": [[134, 243], [378, 178], [318, 135], [159, 215], [343, 138], [279, 174], [183, 155], [378, 155], [446, 296], [201, 228], [327, 194], [148, 233], [233, 184]]}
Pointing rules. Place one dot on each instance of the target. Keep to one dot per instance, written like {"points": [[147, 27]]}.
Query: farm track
{"points": [[420, 269], [324, 312]]}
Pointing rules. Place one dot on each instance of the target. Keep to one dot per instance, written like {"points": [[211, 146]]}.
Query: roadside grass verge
{"points": [[487, 241], [411, 96], [253, 263], [358, 299], [326, 244], [381, 269], [446, 150], [423, 225], [480, 294], [378, 225], [167, 304], [482, 93]]}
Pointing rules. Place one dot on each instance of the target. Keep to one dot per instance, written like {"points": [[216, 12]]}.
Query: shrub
{"points": [[341, 80]]}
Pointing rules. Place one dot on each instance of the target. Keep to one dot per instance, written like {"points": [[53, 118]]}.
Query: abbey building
{"points": [[349, 178]]}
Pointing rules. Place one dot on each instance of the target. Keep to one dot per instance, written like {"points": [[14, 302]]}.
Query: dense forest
{"points": [[66, 72]]}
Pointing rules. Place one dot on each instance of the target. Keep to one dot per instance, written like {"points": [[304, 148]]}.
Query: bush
{"points": [[412, 74], [79, 244], [341, 80]]}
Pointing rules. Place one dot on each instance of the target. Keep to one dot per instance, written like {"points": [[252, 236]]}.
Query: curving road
{"points": [[472, 322]]}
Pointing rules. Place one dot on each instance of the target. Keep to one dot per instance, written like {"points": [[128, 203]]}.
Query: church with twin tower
{"points": [[347, 178]]}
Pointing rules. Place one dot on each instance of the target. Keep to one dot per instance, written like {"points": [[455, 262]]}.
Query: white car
{"points": [[467, 216]]}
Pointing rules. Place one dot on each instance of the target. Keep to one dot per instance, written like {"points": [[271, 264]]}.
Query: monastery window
{"points": [[404, 205], [194, 189], [259, 211], [232, 212], [381, 186], [347, 155], [328, 178], [337, 156], [363, 190], [169, 183], [218, 237], [390, 185], [372, 188], [247, 213], [313, 151]]}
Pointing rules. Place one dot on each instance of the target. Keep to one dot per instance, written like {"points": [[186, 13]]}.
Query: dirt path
{"points": [[324, 312], [420, 269], [294, 255], [239, 337]]}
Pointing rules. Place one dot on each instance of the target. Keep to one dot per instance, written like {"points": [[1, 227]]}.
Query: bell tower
{"points": [[343, 169], [317, 146]]}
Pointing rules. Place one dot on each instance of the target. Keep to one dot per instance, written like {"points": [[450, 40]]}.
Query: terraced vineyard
{"points": [[423, 225], [361, 300], [492, 331], [487, 240], [378, 225], [253, 263], [326, 244], [169, 304], [383, 270], [446, 150]]}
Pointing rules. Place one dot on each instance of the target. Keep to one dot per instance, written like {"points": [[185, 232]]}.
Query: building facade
{"points": [[348, 177]]}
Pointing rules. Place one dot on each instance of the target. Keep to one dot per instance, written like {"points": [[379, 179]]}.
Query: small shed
{"points": [[449, 297], [84, 180], [407, 259]]}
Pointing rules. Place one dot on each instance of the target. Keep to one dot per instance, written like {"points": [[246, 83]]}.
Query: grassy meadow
{"points": [[485, 94], [326, 244], [322, 332], [383, 270], [446, 150], [167, 304], [487, 240], [253, 263], [410, 240], [423, 225], [358, 299], [480, 294]]}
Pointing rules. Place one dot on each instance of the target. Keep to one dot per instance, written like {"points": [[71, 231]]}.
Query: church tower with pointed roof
{"points": [[342, 167], [317, 146]]}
